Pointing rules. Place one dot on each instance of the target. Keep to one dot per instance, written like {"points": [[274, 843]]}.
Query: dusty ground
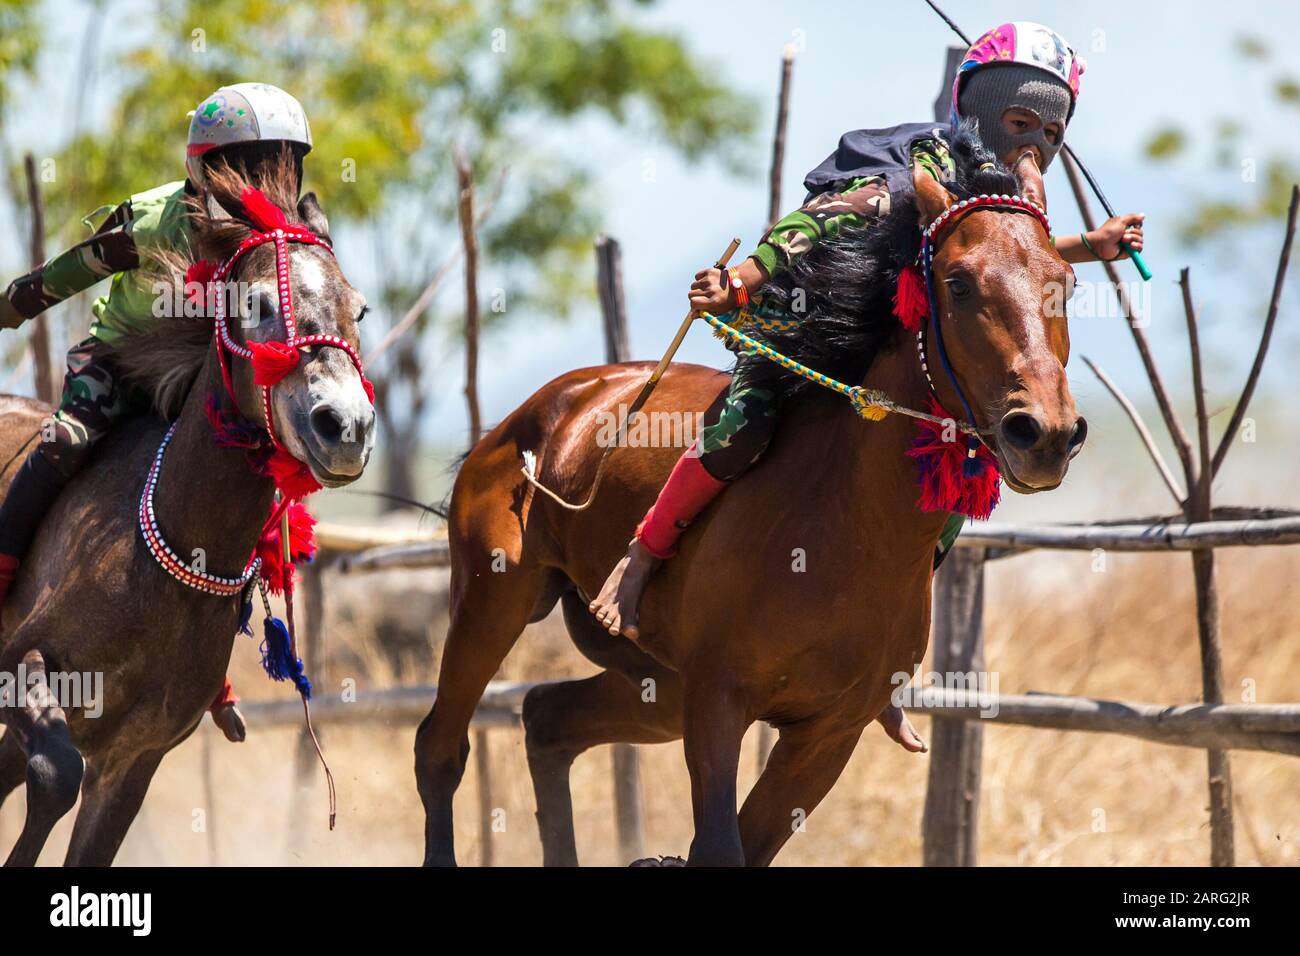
{"points": [[1049, 798]]}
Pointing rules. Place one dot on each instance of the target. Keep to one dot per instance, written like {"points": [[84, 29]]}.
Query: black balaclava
{"points": [[992, 90]]}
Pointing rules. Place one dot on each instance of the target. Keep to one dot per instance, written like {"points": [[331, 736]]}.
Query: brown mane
{"points": [[165, 359]]}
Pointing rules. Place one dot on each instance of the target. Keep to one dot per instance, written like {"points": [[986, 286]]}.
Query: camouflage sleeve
{"points": [[110, 250], [826, 214]]}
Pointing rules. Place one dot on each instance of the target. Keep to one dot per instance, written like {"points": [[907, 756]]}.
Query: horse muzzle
{"points": [[337, 439], [1035, 449]]}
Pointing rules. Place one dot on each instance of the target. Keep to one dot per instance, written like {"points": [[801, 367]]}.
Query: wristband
{"points": [[737, 287], [1088, 245]]}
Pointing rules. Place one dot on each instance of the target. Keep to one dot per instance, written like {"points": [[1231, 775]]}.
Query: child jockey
{"points": [[1019, 82], [245, 125]]}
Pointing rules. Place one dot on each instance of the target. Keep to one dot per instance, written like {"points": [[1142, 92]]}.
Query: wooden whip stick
{"points": [[529, 468]]}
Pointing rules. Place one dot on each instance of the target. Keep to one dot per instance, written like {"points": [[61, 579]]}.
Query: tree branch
{"points": [[1143, 432], [1283, 260]]}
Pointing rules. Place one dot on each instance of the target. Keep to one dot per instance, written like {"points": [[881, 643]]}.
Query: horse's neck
{"points": [[206, 496], [881, 478]]}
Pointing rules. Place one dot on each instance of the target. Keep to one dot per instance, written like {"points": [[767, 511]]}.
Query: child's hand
{"points": [[10, 318], [1106, 238], [710, 292]]}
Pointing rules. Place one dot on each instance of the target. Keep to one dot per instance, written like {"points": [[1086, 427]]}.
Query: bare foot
{"points": [[900, 729], [615, 606], [231, 722]]}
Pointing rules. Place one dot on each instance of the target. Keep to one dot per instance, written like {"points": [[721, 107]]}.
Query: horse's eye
{"points": [[362, 314], [959, 288]]}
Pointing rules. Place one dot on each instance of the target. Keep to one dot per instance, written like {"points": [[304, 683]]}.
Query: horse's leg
{"points": [[714, 724], [108, 808], [562, 720], [486, 621], [13, 765], [54, 766], [802, 768]]}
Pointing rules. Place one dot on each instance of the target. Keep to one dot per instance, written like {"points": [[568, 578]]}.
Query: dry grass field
{"points": [[1049, 798]]}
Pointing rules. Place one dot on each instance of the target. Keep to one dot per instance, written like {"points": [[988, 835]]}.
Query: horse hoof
{"points": [[659, 861]]}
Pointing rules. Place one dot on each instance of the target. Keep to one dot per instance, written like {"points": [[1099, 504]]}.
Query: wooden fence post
{"points": [[609, 288], [46, 386], [465, 177], [627, 769], [950, 826], [305, 761], [627, 802], [483, 769]]}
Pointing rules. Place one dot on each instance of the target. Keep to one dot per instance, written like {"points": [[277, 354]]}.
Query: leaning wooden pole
{"points": [[950, 824], [1207, 600], [46, 387], [778, 138], [465, 176]]}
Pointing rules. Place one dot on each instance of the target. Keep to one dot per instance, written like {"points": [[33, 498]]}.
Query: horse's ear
{"points": [[931, 198], [1030, 179], [216, 211], [310, 212]]}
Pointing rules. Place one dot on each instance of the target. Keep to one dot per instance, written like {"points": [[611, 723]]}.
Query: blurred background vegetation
{"points": [[391, 89]]}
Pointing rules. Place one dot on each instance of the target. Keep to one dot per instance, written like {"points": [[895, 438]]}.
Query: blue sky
{"points": [[877, 65]]}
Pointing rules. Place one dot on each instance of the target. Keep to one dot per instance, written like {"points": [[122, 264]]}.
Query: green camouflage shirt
{"points": [[828, 214], [148, 221]]}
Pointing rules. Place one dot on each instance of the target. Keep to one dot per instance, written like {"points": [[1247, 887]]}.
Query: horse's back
{"points": [[567, 424]]}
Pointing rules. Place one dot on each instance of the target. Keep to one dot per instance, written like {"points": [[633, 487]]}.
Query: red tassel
{"points": [[292, 477], [302, 547], [911, 301], [272, 361], [197, 278], [369, 387], [262, 213], [947, 483]]}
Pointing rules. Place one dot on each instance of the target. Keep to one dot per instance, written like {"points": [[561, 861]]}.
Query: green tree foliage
{"points": [[20, 38], [1273, 173]]}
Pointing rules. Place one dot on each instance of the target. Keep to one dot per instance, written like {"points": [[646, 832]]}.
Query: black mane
{"points": [[847, 282]]}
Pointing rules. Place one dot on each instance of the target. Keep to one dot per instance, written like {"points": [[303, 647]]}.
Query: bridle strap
{"points": [[929, 241], [223, 341]]}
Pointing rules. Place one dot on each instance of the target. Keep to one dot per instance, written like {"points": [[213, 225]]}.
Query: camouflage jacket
{"points": [[852, 188], [148, 221]]}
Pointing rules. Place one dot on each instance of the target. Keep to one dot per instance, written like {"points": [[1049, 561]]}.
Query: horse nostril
{"points": [[325, 421], [1021, 430], [1079, 435]]}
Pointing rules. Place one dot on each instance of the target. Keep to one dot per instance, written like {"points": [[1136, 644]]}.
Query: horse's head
{"points": [[993, 275], [320, 411]]}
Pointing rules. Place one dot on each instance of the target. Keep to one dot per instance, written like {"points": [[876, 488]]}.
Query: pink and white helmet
{"points": [[243, 113], [1027, 43]]}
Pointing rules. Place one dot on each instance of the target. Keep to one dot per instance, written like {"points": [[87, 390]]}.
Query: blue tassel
{"points": [[973, 465], [277, 657], [246, 617]]}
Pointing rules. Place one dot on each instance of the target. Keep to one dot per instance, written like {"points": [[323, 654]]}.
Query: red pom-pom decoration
{"points": [[911, 301], [272, 361], [292, 477], [302, 547], [262, 213], [950, 478], [197, 278]]}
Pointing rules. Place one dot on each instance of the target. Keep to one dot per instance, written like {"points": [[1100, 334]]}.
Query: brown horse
{"points": [[91, 599], [796, 595]]}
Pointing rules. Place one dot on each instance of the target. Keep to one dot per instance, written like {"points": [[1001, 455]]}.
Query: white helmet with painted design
{"points": [[243, 113]]}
